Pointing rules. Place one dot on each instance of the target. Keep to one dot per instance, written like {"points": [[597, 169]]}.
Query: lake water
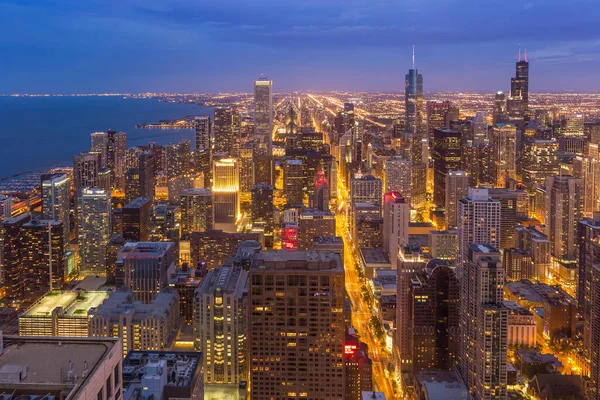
{"points": [[39, 132]]}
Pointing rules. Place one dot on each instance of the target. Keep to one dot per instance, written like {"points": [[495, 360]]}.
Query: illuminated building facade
{"points": [[12, 250], [136, 220], [196, 211], [539, 161], [223, 130], [56, 201], [396, 218], [116, 149], [294, 181], [397, 176], [225, 191], [564, 207], [587, 167], [457, 186], [85, 170], [302, 356], [203, 128], [446, 156], [220, 324], [312, 223], [439, 114], [537, 245], [94, 217], [100, 146], [263, 113], [513, 207], [358, 368], [504, 141], [216, 247], [289, 236]]}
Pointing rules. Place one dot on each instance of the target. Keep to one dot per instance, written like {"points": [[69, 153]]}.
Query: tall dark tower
{"points": [[413, 93], [519, 85]]}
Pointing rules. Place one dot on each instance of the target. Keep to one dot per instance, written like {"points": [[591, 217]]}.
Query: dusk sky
{"points": [[81, 46]]}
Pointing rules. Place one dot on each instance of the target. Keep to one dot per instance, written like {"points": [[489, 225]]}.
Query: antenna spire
{"points": [[526, 54], [413, 56], [519, 58]]}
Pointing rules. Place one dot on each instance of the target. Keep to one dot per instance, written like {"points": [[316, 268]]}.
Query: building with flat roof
{"points": [[63, 314], [163, 375], [373, 259], [439, 385], [373, 396], [61, 368]]}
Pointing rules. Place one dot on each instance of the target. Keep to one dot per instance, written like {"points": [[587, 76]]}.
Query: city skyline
{"points": [[55, 46]]}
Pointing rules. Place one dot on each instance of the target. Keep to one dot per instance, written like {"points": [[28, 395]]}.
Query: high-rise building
{"points": [[443, 244], [435, 312], [146, 268], [43, 257], [313, 223], [504, 141], [537, 245], [480, 128], [519, 85], [513, 207], [94, 217], [262, 207], [439, 114], [176, 161], [223, 129], [413, 98], [483, 324], [203, 127], [294, 181], [85, 170], [320, 198], [147, 168], [397, 176], [302, 350], [56, 201], [478, 222], [225, 192], [446, 156], [396, 218], [246, 171], [11, 239], [358, 368], [213, 248], [573, 125], [457, 186], [116, 149], [564, 207], [587, 167], [100, 146], [196, 211], [136, 220], [263, 112], [220, 324], [5, 207], [540, 161], [500, 107], [366, 189], [592, 333], [518, 264]]}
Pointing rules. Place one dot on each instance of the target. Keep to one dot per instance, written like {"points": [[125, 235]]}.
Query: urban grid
{"points": [[314, 245]]}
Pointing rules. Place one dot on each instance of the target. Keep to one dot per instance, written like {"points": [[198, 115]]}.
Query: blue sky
{"points": [[64, 46]]}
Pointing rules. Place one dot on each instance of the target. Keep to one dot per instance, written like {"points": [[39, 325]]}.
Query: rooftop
{"points": [[181, 366], [121, 302], [139, 202], [328, 240], [374, 255], [322, 260], [229, 279], [439, 385], [72, 303]]}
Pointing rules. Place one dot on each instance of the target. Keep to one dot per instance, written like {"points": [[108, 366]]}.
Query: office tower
{"points": [[146, 268], [518, 264], [141, 326], [519, 85], [480, 129], [133, 189], [439, 114], [413, 98], [411, 262], [196, 211], [539, 161], [12, 251], [294, 181], [358, 368], [483, 324], [366, 225], [592, 332], [310, 356], [213, 248], [457, 185], [104, 179], [186, 280], [100, 146], [478, 222], [246, 171], [573, 125], [264, 168], [176, 161], [587, 167], [443, 244], [43, 253], [446, 156], [263, 113], [348, 117], [5, 207], [396, 217], [538, 247], [312, 223], [94, 216], [223, 131], [61, 313], [504, 141], [203, 127], [56, 201], [220, 324], [366, 189], [564, 207], [435, 311], [513, 206], [500, 108], [320, 198], [262, 207], [397, 176], [147, 168], [201, 165], [85, 170], [116, 149], [225, 192], [136, 220]]}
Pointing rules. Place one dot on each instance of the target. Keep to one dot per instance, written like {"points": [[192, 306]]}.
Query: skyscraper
{"points": [[446, 156], [100, 146], [519, 85], [504, 141], [56, 201], [225, 192], [539, 161], [136, 220], [439, 114], [85, 170], [313, 223], [223, 128], [220, 324], [263, 112], [592, 333], [302, 350], [196, 211], [413, 97], [513, 207], [564, 207], [366, 189], [397, 176], [500, 108], [203, 133], [294, 181], [457, 186], [480, 129], [11, 239], [94, 214], [147, 171], [115, 154], [396, 218]]}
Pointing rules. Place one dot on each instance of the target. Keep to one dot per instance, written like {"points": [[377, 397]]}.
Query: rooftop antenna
{"points": [[413, 56], [526, 54], [519, 58]]}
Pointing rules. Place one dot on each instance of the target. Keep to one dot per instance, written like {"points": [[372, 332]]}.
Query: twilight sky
{"points": [[80, 46]]}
